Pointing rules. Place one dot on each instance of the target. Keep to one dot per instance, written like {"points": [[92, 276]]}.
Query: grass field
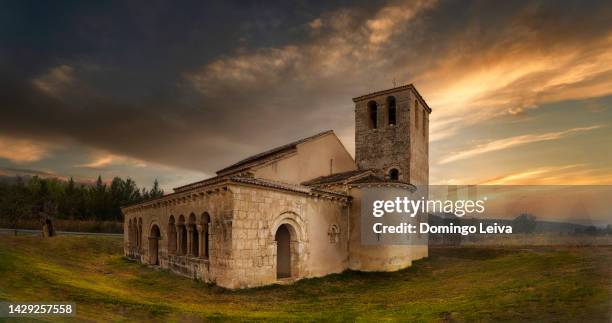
{"points": [[467, 283]]}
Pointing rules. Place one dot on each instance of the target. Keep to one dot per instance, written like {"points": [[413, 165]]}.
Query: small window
{"points": [[392, 110], [394, 174], [334, 234], [416, 116], [373, 114], [424, 121]]}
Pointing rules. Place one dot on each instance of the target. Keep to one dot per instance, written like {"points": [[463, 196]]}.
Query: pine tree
{"points": [[156, 191]]}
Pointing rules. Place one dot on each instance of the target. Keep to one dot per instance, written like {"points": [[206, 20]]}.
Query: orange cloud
{"points": [[506, 143], [102, 160], [511, 77], [22, 150]]}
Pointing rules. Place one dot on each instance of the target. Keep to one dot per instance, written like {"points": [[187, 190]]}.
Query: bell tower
{"points": [[392, 134]]}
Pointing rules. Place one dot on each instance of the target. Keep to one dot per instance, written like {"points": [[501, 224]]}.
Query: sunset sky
{"points": [[521, 92]]}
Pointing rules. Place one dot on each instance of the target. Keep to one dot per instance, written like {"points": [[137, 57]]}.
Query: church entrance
{"points": [[154, 237], [283, 252]]}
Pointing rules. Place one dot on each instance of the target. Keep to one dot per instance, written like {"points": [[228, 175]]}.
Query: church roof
{"points": [[224, 180], [359, 177], [378, 181], [338, 177], [250, 161], [269, 154], [283, 186]]}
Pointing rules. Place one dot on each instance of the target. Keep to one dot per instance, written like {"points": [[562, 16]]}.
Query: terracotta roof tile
{"points": [[338, 177]]}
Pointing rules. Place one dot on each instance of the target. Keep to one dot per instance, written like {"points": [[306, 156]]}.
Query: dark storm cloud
{"points": [[110, 75], [125, 61], [198, 86]]}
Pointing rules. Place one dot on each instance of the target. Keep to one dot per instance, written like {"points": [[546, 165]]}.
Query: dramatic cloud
{"points": [[195, 87], [22, 150], [353, 46], [514, 84], [102, 160], [512, 142], [578, 174]]}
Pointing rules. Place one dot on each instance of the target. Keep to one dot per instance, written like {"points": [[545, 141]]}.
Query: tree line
{"points": [[26, 199]]}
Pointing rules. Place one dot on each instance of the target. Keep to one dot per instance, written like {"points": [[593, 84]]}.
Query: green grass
{"points": [[468, 283]]}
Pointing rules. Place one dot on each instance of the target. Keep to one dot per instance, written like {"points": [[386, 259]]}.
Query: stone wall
{"points": [[258, 214], [242, 246], [419, 144]]}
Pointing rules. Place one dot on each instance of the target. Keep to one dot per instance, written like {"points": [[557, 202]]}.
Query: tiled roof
{"points": [[370, 179], [205, 182], [373, 179], [245, 180], [283, 186], [334, 178]]}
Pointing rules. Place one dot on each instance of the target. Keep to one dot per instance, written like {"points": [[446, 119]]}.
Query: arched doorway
{"points": [[154, 237], [283, 251]]}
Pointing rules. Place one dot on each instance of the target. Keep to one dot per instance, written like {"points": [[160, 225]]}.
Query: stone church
{"points": [[291, 212]]}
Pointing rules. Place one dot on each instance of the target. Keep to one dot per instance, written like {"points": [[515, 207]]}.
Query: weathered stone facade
{"points": [[236, 247], [288, 213]]}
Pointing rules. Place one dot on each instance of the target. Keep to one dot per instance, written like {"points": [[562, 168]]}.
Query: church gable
{"points": [[322, 156], [267, 156], [319, 155]]}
